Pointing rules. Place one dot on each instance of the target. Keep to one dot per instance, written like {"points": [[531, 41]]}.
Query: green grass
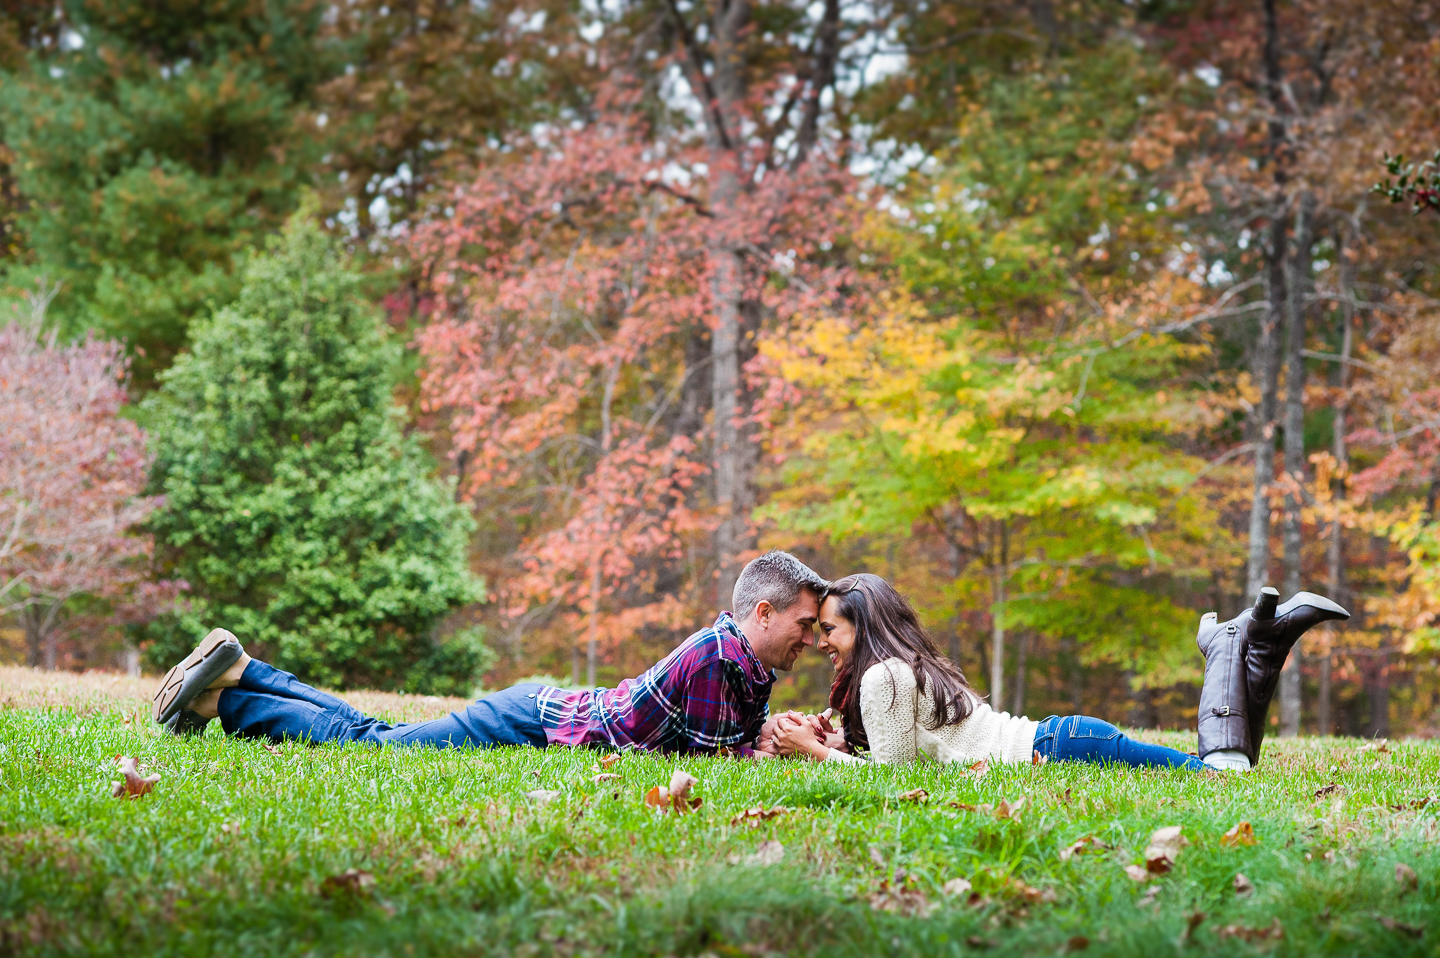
{"points": [[464, 863]]}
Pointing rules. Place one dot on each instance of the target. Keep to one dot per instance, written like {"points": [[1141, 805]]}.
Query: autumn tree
{"points": [[574, 288], [304, 517], [72, 478]]}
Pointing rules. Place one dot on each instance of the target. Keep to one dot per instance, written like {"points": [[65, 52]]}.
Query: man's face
{"points": [[780, 637]]}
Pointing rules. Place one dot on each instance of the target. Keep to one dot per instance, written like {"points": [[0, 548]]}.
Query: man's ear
{"points": [[763, 613]]}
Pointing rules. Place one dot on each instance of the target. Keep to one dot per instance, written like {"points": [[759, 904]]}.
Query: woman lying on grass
{"points": [[900, 698]]}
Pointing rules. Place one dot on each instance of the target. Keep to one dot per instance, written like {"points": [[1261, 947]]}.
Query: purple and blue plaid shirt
{"points": [[708, 694]]}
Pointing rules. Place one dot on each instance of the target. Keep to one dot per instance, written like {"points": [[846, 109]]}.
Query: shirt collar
{"points": [[759, 674]]}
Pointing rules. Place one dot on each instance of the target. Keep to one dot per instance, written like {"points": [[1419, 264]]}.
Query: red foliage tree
{"points": [[577, 288], [71, 476]]}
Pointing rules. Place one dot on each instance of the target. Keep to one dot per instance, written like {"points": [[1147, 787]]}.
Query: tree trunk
{"points": [[997, 631], [1336, 555], [1021, 647], [1267, 349], [1378, 693], [954, 556], [733, 460], [1299, 301]]}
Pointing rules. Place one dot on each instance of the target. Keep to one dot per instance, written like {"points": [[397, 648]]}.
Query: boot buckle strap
{"points": [[1221, 711]]}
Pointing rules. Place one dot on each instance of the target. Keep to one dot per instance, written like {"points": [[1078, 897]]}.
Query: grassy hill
{"points": [[243, 849]]}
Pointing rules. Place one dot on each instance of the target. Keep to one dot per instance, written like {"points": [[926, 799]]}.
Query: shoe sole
{"points": [[216, 652]]}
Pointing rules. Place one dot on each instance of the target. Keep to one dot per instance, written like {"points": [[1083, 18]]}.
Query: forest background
{"points": [[430, 342]]}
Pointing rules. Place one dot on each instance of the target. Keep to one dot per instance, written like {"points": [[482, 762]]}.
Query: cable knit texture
{"points": [[897, 721]]}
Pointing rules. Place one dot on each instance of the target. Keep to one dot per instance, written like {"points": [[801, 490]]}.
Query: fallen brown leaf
{"points": [[1164, 848], [1414, 931], [876, 856], [754, 816], [769, 853], [1081, 845], [542, 796], [1418, 803], [1137, 873], [604, 777], [1077, 943], [962, 806], [1242, 834], [1274, 932], [979, 769], [1242, 885], [900, 899], [975, 941], [1330, 789], [1030, 893], [1405, 877], [956, 887], [1009, 810], [914, 795], [352, 881], [677, 795], [1192, 921], [609, 759], [1379, 746], [133, 784], [1037, 759], [272, 748], [230, 828]]}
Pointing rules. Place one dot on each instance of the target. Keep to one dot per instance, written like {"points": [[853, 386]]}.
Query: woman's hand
{"points": [[799, 737]]}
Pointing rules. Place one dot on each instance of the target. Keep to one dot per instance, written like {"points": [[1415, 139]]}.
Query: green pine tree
{"points": [[151, 143], [304, 518]]}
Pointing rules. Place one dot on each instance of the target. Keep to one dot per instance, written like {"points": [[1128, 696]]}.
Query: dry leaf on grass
{"points": [[1379, 746], [1037, 759], [604, 777], [979, 769], [1274, 932], [1136, 873], [1414, 931], [352, 881], [1077, 943], [1164, 848], [899, 899], [1242, 834], [272, 748], [769, 853], [876, 856], [1030, 893], [975, 941], [1009, 810], [1417, 804], [754, 816], [956, 887], [230, 828], [1405, 877], [677, 795], [1330, 789], [1079, 846], [542, 796], [133, 784], [1192, 921], [1242, 885], [608, 760], [914, 795]]}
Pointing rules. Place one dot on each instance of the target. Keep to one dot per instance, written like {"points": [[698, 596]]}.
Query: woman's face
{"points": [[837, 633]]}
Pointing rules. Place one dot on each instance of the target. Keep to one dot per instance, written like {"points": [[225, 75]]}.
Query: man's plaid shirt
{"points": [[710, 693]]}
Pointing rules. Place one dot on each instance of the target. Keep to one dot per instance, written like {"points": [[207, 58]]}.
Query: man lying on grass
{"points": [[711, 693]]}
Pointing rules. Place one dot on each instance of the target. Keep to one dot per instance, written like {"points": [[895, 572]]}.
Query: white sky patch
{"points": [[1208, 75]]}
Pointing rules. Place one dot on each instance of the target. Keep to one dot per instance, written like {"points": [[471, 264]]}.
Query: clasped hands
{"points": [[795, 733]]}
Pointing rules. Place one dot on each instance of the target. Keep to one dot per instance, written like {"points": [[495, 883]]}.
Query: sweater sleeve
{"points": [[887, 707]]}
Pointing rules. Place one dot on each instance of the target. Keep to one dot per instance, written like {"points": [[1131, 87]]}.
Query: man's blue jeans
{"points": [[1079, 738], [272, 704]]}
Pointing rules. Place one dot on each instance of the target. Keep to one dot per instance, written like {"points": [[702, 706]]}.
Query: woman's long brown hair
{"points": [[886, 627]]}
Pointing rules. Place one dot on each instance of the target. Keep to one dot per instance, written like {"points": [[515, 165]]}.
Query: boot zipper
{"points": [[1224, 710]]}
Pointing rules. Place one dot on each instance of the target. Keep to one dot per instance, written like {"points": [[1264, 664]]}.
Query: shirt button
{"points": [[529, 695]]}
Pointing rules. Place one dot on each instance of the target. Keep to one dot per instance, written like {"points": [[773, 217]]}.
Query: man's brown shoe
{"points": [[216, 652]]}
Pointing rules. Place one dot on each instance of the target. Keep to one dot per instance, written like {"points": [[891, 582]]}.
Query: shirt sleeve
{"points": [[887, 707], [713, 717], [835, 755]]}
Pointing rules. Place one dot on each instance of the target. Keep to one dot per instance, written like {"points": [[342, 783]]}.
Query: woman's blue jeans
{"points": [[1080, 738]]}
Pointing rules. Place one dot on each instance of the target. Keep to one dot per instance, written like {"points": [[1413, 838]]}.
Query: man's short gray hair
{"points": [[776, 577]]}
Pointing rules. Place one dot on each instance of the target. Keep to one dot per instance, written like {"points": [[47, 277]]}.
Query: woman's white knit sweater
{"points": [[898, 719]]}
